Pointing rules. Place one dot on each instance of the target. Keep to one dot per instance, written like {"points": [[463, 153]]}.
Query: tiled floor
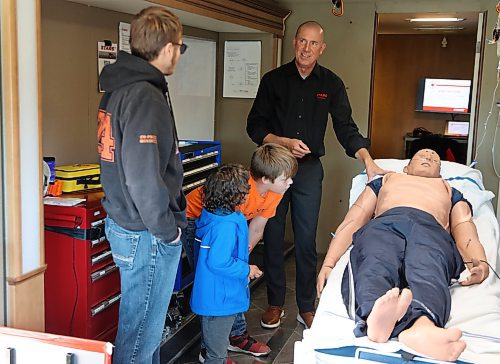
{"points": [[281, 340]]}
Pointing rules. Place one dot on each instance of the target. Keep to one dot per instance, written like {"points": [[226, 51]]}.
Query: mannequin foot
{"points": [[387, 310], [428, 339]]}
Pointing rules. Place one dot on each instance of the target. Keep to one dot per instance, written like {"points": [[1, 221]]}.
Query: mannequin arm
{"points": [[357, 216], [464, 232]]}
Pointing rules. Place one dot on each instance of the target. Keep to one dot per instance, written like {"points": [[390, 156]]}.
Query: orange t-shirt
{"points": [[254, 205]]}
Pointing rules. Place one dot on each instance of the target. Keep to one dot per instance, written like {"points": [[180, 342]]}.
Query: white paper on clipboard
{"points": [[242, 60], [124, 37]]}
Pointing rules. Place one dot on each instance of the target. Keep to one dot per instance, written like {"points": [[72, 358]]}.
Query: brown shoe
{"points": [[271, 318], [306, 318]]}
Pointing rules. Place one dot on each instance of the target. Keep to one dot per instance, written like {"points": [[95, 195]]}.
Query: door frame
{"points": [[476, 82]]}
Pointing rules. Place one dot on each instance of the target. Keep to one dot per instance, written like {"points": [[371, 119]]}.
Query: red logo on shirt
{"points": [[321, 96]]}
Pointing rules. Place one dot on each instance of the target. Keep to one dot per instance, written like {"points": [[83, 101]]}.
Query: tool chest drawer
{"points": [[199, 159], [82, 283]]}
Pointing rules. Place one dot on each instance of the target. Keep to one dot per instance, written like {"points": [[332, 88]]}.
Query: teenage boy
{"points": [[271, 170]]}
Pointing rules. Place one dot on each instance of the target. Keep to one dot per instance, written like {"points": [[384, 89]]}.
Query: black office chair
{"points": [[447, 148]]}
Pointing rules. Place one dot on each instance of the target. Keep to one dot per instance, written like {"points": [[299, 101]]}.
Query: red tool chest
{"points": [[82, 283]]}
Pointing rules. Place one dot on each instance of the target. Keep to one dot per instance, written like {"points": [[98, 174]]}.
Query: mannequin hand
{"points": [[323, 275], [478, 273]]}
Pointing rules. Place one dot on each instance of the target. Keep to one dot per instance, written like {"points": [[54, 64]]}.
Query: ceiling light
{"points": [[438, 28], [435, 19]]}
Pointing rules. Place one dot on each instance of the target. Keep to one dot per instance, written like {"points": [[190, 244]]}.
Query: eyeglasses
{"points": [[182, 45]]}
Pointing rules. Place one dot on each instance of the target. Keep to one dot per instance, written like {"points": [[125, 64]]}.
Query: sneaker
{"points": [[271, 318], [306, 318], [203, 355], [248, 345]]}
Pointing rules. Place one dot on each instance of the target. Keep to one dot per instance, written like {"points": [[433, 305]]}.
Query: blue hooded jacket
{"points": [[221, 279]]}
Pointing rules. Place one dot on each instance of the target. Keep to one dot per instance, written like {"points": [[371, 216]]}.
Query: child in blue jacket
{"points": [[220, 288]]}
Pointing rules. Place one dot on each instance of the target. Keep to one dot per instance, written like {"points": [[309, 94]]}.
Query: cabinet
{"points": [[199, 159], [82, 284], [448, 148]]}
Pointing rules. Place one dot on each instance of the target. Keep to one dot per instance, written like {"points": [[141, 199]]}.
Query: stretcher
{"points": [[475, 309]]}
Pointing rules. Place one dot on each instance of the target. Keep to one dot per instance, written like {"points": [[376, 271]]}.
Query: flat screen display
{"points": [[457, 128], [444, 95]]}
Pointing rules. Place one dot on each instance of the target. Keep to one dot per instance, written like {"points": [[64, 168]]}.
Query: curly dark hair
{"points": [[226, 188]]}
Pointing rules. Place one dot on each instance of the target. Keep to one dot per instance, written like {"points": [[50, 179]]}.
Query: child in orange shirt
{"points": [[271, 170]]}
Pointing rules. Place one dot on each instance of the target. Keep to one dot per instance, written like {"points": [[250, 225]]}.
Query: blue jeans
{"points": [[215, 333], [187, 238], [148, 266], [239, 327]]}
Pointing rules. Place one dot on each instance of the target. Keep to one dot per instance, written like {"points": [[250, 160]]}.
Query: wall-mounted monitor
{"points": [[443, 95]]}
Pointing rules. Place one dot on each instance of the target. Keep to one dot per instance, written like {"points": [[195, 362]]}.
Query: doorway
{"points": [[406, 52]]}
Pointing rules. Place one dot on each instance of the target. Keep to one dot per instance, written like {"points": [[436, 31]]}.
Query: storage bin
{"points": [[77, 177]]}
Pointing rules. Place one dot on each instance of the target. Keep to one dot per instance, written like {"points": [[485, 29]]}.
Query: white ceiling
{"points": [[194, 20]]}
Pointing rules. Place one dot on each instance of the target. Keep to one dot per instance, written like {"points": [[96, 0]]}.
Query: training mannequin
{"points": [[421, 234]]}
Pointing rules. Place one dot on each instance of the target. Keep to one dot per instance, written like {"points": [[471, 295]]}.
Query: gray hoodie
{"points": [[141, 170]]}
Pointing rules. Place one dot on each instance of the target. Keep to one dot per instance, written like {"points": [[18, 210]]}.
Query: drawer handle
{"points": [[98, 241], [96, 223], [103, 272], [202, 156], [104, 304], [100, 257], [194, 184], [201, 169]]}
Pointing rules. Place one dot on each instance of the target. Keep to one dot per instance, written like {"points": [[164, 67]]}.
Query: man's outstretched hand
{"points": [[372, 170], [478, 273]]}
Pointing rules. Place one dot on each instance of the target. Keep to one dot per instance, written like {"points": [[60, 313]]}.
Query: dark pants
{"points": [[304, 197], [404, 247]]}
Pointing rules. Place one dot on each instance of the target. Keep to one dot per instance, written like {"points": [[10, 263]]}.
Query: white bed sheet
{"points": [[475, 309]]}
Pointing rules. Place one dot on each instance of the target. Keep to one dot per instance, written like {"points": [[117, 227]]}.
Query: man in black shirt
{"points": [[291, 108]]}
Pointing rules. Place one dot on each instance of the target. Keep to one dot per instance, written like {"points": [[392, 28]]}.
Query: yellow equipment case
{"points": [[77, 177]]}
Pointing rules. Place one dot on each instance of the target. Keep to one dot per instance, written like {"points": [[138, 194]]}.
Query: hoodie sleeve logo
{"points": [[148, 139], [105, 140]]}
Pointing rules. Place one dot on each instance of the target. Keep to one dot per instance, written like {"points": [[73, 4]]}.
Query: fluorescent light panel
{"points": [[438, 28], [435, 19]]}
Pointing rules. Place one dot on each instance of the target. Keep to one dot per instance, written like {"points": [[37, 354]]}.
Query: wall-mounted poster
{"points": [[124, 37], [241, 68], [106, 54]]}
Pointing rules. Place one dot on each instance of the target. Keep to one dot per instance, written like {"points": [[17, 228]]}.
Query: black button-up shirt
{"points": [[289, 106]]}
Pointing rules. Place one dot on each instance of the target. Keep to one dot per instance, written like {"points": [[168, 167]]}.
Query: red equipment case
{"points": [[82, 283]]}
